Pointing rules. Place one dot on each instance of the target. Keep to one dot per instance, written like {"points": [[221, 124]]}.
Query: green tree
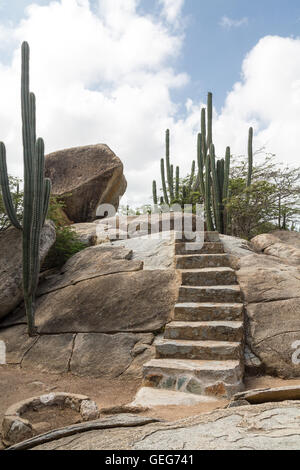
{"points": [[270, 202]]}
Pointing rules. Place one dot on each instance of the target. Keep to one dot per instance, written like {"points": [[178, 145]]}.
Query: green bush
{"points": [[67, 241]]}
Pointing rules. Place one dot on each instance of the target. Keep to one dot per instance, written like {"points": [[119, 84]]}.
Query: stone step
{"points": [[226, 294], [211, 330], [202, 261], [204, 350], [199, 248], [208, 276], [210, 378], [192, 311], [187, 236], [150, 397]]}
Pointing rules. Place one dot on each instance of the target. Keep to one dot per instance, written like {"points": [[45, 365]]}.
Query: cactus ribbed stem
{"points": [[154, 193], [216, 188], [250, 157], [4, 183], [36, 192], [209, 120], [177, 183], [163, 181], [168, 166], [209, 222]]}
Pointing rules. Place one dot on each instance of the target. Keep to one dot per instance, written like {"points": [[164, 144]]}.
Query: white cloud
{"points": [[229, 23], [171, 9], [268, 97], [107, 77], [98, 77]]}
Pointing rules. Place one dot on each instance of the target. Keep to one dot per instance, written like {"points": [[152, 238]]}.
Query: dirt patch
{"points": [[52, 417], [17, 384]]}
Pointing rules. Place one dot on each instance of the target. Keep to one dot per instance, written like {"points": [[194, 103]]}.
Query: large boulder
{"points": [[103, 290], [282, 244], [270, 283], [84, 178], [99, 314], [11, 293]]}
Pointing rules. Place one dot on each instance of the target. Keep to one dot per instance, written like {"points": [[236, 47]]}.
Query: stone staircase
{"points": [[202, 348]]}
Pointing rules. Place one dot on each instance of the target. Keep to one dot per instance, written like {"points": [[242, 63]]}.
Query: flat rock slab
{"points": [[151, 397], [269, 394], [271, 426], [122, 420]]}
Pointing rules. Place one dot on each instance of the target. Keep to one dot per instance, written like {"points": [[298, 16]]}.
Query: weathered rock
{"points": [[16, 429], [253, 365], [271, 426], [271, 290], [101, 355], [91, 263], [270, 287], [11, 293], [100, 290], [85, 177], [265, 395], [236, 248], [95, 233], [137, 226], [156, 252], [50, 354], [17, 343], [282, 244]]}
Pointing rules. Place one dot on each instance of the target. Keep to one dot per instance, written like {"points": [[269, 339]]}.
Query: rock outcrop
{"points": [[11, 293], [84, 178], [270, 282], [99, 314], [271, 426]]}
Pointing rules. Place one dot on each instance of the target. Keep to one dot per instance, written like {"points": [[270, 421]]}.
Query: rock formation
{"points": [[84, 178]]}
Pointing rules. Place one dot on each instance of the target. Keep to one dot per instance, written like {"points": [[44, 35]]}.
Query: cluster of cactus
{"points": [[212, 180], [36, 193]]}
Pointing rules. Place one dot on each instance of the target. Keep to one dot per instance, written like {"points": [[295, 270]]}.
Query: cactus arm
{"points": [[189, 188], [209, 120], [209, 222], [250, 157], [168, 166], [216, 188], [47, 192], [203, 133], [177, 183], [154, 193], [172, 181], [200, 177], [6, 194], [38, 213], [226, 173], [163, 181]]}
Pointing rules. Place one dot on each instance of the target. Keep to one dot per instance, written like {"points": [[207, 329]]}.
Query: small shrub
{"points": [[67, 241]]}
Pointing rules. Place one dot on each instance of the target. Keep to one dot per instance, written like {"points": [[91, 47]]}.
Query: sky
{"points": [[120, 72]]}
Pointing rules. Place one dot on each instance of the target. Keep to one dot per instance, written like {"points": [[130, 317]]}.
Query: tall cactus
{"points": [[177, 183], [168, 165], [250, 157], [36, 193], [154, 192], [212, 179]]}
